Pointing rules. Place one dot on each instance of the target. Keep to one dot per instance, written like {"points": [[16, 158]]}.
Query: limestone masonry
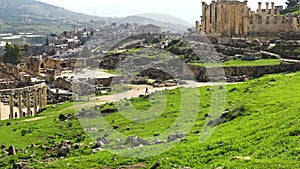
{"points": [[235, 18]]}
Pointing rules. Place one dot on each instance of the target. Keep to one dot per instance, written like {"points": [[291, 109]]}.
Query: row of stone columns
{"points": [[39, 99], [267, 8]]}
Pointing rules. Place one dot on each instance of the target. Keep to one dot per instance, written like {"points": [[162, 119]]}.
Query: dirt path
{"points": [[136, 91], [35, 119]]}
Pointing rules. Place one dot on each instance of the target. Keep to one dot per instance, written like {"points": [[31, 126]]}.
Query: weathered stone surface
{"points": [[136, 141], [176, 136], [156, 165], [234, 19], [247, 158], [63, 149], [250, 72], [62, 117], [109, 111]]}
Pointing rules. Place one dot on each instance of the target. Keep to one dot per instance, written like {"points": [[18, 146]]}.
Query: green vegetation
{"points": [[129, 51], [292, 7], [291, 3], [263, 122], [239, 62], [12, 54]]}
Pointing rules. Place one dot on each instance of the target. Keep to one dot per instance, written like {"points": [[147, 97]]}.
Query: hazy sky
{"points": [[189, 10]]}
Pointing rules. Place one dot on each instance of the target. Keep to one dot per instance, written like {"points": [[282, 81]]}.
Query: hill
{"points": [[259, 130], [16, 11], [25, 15], [175, 27], [166, 19]]}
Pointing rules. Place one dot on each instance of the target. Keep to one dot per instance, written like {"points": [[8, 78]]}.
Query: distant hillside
{"points": [[165, 18], [18, 10], [173, 27], [16, 15]]}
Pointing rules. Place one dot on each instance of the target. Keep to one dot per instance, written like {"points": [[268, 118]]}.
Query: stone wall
{"points": [[250, 72], [33, 65]]}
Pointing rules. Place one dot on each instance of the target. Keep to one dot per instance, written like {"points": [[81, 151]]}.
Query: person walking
{"points": [[147, 90]]}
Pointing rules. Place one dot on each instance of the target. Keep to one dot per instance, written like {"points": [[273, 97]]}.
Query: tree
{"points": [[12, 54], [26, 49], [291, 3]]}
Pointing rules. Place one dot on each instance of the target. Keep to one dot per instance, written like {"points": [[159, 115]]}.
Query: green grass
{"points": [[263, 123], [129, 51], [239, 62]]}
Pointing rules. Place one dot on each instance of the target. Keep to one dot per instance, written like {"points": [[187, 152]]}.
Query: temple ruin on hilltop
{"points": [[232, 18]]}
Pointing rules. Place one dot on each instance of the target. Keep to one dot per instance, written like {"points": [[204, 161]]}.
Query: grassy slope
{"points": [[239, 62], [267, 130]]}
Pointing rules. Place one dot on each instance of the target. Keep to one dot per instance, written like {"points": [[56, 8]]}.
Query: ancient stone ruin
{"points": [[227, 18], [19, 102]]}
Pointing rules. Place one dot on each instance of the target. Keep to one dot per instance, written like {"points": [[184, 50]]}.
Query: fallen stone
{"points": [[136, 141], [96, 150], [78, 145], [176, 136], [63, 149], [70, 116], [158, 142], [247, 158], [62, 117], [156, 165], [100, 144], [109, 111], [4, 152], [11, 151]]}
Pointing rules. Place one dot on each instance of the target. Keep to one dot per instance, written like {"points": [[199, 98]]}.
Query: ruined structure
{"points": [[19, 102], [232, 18]]}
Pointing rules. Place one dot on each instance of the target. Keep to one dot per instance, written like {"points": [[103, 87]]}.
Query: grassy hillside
{"points": [[263, 124]]}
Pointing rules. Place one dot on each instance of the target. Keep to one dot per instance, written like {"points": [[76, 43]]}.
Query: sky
{"points": [[188, 10]]}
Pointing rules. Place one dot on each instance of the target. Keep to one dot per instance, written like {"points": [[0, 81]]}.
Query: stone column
{"points": [[207, 19], [219, 18], [197, 26], [259, 8], [272, 8], [20, 104], [213, 16], [226, 20], [35, 100], [237, 19], [44, 96], [28, 102], [245, 18], [11, 105], [295, 24], [267, 8], [203, 21], [40, 98]]}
